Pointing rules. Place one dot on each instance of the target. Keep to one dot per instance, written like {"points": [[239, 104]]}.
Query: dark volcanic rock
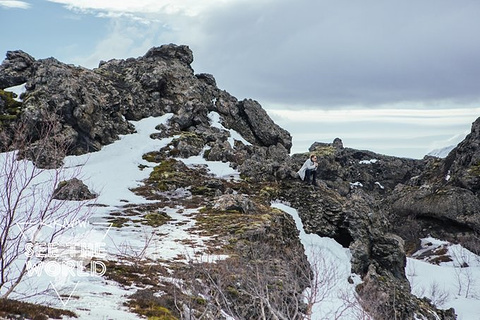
{"points": [[442, 200], [261, 126], [452, 204], [91, 108], [353, 205], [73, 189], [15, 69], [463, 162], [341, 167]]}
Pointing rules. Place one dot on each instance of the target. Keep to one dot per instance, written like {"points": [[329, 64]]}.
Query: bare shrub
{"points": [[30, 215], [438, 295]]}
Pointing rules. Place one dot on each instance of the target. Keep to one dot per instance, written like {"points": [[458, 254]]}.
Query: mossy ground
{"points": [[229, 233], [12, 108], [474, 169], [12, 309], [323, 151]]}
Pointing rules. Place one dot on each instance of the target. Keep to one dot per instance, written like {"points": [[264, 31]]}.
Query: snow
{"points": [[331, 263], [371, 161], [356, 184], [217, 168], [448, 285], [234, 135], [18, 90], [379, 185], [111, 172], [448, 176], [442, 152]]}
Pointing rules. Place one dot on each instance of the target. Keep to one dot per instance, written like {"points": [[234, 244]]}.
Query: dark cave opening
{"points": [[343, 237]]}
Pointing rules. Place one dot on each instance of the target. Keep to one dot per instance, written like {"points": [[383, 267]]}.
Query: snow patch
{"points": [[331, 263], [234, 135], [379, 185], [371, 161], [217, 168], [18, 90], [354, 185]]}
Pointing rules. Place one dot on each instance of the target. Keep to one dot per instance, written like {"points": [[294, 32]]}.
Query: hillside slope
{"points": [[204, 180]]}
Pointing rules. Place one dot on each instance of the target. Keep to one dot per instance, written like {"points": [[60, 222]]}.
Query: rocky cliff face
{"points": [[442, 200], [363, 199], [349, 206]]}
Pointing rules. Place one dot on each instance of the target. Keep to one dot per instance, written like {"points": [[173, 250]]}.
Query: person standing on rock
{"points": [[309, 169]]}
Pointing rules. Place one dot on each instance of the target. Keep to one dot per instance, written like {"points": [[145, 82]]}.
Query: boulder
{"points": [[235, 202], [73, 189], [15, 69]]}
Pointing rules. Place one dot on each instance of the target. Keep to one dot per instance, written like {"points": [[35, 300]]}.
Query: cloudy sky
{"points": [[395, 77]]}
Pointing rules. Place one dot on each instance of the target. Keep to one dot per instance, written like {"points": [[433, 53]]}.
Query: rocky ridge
{"points": [[362, 201]]}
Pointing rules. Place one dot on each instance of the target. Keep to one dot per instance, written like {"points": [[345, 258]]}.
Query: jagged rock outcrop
{"points": [[16, 69], [345, 168], [93, 106], [463, 162], [442, 200], [235, 202]]}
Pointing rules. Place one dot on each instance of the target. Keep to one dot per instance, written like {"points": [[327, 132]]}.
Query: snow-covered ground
{"points": [[111, 173], [118, 167], [450, 284], [332, 269]]}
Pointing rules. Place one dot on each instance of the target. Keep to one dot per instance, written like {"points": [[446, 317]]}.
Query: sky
{"points": [[399, 78]]}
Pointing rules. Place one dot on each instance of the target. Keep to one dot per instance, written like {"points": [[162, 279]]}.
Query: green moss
{"points": [[324, 151], [269, 192], [206, 153], [118, 222], [231, 222], [164, 170], [12, 107], [474, 170], [30, 310], [202, 191], [200, 301], [155, 219], [160, 313], [163, 173], [233, 291], [7, 117], [153, 156], [188, 138]]}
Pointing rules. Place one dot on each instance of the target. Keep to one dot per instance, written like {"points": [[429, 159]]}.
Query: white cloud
{"points": [[125, 39], [171, 7], [14, 4], [329, 53]]}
